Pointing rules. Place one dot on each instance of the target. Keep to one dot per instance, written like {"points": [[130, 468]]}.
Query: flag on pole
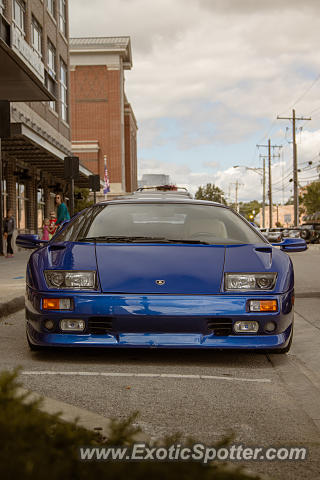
{"points": [[106, 178]]}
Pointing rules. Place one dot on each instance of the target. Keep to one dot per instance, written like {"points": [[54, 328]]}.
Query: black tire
{"points": [[304, 234]]}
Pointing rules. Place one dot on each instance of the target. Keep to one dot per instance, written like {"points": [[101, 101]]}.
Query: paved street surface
{"points": [[264, 399]]}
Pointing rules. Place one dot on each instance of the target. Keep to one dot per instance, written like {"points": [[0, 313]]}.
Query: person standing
{"points": [[9, 227], [62, 212], [52, 226], [45, 229]]}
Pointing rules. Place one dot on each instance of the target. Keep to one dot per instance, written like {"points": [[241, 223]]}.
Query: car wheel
{"points": [[304, 234]]}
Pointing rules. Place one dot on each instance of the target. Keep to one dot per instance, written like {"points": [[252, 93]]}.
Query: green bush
{"points": [[36, 445]]}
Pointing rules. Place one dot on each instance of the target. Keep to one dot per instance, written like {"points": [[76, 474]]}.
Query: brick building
{"points": [[281, 215], [34, 88], [103, 122]]}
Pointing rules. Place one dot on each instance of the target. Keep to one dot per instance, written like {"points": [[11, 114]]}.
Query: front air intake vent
{"points": [[99, 325], [220, 326]]}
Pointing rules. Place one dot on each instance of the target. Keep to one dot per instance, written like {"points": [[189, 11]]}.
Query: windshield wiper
{"points": [[196, 242], [124, 239]]}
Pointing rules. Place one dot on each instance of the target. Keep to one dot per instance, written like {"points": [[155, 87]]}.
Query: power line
{"points": [[306, 91], [295, 162]]}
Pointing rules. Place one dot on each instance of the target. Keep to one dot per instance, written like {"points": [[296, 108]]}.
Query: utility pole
{"points": [[237, 184], [263, 191], [270, 184], [269, 147], [295, 164]]}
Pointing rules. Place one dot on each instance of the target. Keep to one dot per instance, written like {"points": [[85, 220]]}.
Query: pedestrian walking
{"points": [[62, 212], [45, 229], [9, 228]]}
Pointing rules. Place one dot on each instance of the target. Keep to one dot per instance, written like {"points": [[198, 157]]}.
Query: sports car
{"points": [[160, 270]]}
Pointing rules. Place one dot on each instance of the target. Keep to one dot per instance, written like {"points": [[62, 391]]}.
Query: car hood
{"points": [[261, 258], [181, 269], [185, 269], [60, 256]]}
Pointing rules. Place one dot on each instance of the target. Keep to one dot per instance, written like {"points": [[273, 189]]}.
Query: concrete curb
{"points": [[69, 413], [13, 306]]}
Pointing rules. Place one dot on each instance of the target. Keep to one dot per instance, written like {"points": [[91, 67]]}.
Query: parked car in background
{"points": [[310, 232], [291, 233], [272, 234]]}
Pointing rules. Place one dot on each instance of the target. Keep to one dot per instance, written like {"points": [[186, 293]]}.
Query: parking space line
{"points": [[146, 375]]}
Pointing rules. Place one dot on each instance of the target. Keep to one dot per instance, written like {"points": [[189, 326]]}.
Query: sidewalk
{"points": [[12, 282]]}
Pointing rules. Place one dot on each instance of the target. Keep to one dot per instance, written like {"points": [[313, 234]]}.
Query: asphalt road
{"points": [[264, 400]]}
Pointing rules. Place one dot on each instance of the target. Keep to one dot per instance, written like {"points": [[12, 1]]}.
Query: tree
{"points": [[210, 192], [249, 209], [81, 199], [311, 198]]}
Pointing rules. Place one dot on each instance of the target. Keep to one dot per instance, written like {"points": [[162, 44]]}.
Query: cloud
{"points": [[213, 165], [213, 73], [249, 181]]}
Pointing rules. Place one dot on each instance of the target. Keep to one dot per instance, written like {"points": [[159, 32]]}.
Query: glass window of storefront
{"points": [[41, 206], [21, 206], [4, 199]]}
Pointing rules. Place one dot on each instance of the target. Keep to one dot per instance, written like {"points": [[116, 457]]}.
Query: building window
{"points": [[21, 206], [52, 87], [41, 207], [36, 35], [51, 77], [51, 5], [18, 14], [63, 17], [4, 199], [51, 59], [64, 91]]}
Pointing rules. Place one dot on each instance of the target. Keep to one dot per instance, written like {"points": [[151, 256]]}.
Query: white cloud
{"points": [[250, 182], [218, 70]]}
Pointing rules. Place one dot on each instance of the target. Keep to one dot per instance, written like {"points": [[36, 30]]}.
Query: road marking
{"points": [[146, 375]]}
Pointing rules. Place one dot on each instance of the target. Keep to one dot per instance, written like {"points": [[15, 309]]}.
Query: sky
{"points": [[209, 79]]}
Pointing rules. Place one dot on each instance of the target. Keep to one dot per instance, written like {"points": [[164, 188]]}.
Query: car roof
{"points": [[159, 197]]}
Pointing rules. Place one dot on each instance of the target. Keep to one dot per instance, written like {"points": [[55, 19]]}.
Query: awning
{"points": [[29, 147]]}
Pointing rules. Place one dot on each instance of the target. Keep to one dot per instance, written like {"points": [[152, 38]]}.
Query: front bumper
{"points": [[168, 321]]}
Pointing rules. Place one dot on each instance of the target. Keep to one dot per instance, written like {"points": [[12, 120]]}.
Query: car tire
{"points": [[304, 234]]}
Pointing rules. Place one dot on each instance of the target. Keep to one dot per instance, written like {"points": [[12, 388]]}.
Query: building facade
{"points": [[104, 127], [34, 38], [282, 215]]}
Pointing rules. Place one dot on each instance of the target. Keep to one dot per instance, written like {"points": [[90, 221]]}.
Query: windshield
{"points": [[166, 222]]}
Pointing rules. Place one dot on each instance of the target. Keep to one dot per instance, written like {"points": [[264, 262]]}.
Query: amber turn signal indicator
{"points": [[56, 304], [263, 306]]}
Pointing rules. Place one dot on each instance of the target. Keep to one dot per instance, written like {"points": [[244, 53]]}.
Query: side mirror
{"points": [[29, 241], [291, 245]]}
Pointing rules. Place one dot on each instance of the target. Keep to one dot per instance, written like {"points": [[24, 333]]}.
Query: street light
{"points": [[262, 172]]}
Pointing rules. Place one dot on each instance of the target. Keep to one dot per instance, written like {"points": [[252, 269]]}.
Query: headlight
{"points": [[249, 281], [65, 279]]}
